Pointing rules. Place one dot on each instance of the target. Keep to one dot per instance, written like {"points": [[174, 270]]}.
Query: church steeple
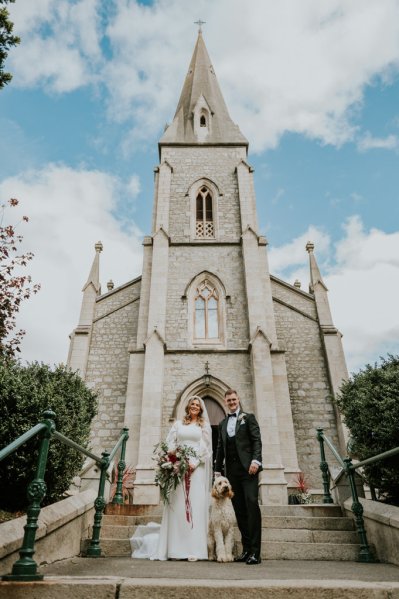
{"points": [[201, 115]]}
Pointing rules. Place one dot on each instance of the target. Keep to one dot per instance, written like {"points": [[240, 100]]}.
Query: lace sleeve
{"points": [[171, 439], [206, 444]]}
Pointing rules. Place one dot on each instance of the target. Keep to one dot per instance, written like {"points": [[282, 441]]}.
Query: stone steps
{"points": [[311, 523], [295, 522], [271, 550], [311, 509], [299, 532], [300, 535], [310, 551]]}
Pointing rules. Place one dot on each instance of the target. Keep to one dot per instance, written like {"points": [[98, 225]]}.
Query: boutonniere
{"points": [[241, 418]]}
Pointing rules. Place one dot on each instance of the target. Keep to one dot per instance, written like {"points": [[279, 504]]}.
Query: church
{"points": [[206, 315]]}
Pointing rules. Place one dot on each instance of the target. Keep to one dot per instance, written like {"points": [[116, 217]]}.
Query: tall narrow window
{"points": [[206, 316], [204, 226], [202, 121]]}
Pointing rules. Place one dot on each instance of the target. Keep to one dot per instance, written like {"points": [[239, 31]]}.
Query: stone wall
{"points": [[381, 522], [226, 263], [216, 164], [308, 381], [114, 326], [61, 527], [181, 369]]}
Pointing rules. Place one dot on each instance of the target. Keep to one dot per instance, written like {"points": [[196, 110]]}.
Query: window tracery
{"points": [[204, 225], [206, 312]]}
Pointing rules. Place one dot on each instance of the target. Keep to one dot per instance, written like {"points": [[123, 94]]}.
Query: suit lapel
{"points": [[224, 430]]}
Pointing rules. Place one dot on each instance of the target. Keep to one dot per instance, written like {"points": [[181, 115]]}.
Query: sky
{"points": [[314, 86]]}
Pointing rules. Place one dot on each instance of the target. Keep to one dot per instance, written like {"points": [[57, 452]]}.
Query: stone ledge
{"points": [[52, 517], [382, 526], [375, 510], [143, 588]]}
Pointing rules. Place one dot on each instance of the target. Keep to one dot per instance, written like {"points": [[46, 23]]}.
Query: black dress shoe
{"points": [[252, 560], [243, 557]]}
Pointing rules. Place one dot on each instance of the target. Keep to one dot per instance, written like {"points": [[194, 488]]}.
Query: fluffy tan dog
{"points": [[221, 522]]}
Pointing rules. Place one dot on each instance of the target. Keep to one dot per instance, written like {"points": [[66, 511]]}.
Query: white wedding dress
{"points": [[176, 538]]}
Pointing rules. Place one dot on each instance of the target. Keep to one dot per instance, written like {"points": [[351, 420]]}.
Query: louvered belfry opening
{"points": [[204, 226]]}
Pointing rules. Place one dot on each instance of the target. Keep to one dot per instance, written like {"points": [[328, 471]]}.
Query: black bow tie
{"points": [[232, 415]]}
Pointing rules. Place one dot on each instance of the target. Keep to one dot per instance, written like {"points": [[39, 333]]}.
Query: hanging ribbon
{"points": [[187, 483]]}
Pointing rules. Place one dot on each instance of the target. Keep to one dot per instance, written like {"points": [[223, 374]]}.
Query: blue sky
{"points": [[314, 87]]}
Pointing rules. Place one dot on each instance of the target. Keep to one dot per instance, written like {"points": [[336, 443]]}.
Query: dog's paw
{"points": [[222, 558], [229, 558]]}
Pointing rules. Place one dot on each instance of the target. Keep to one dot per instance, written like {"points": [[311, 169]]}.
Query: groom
{"points": [[240, 449]]}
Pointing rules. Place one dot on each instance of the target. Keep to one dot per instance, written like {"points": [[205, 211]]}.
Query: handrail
{"points": [[334, 451], [349, 468], [376, 458], [25, 568], [115, 449], [13, 446], [74, 445]]}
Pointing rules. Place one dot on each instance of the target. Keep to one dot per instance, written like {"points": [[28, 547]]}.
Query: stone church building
{"points": [[206, 314]]}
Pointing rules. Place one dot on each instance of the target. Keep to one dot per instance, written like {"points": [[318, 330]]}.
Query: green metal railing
{"points": [[365, 554], [25, 568]]}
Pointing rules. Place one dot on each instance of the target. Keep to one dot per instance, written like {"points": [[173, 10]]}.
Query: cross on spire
{"points": [[199, 23]]}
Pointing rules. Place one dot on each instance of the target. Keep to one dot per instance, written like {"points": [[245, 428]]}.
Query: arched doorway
{"points": [[212, 391], [216, 414]]}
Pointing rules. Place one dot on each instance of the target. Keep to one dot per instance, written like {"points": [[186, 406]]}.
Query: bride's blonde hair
{"points": [[187, 417]]}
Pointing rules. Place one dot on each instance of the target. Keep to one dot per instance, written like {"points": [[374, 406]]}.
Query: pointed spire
{"points": [[320, 291], [315, 275], [94, 276], [201, 114]]}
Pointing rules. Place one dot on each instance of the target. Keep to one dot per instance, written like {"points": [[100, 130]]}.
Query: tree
{"points": [[25, 392], [7, 39], [14, 288], [369, 401]]}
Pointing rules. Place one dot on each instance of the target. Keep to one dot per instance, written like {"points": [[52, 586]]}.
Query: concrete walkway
{"points": [[180, 570], [124, 578]]}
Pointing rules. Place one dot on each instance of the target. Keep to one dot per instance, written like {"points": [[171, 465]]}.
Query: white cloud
{"points": [[363, 283], [69, 211], [368, 142], [60, 48], [283, 66], [293, 254]]}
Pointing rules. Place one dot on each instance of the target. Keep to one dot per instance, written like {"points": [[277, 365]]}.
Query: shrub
{"points": [[25, 392], [369, 401]]}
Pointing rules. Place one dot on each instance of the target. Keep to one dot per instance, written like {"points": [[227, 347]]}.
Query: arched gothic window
{"points": [[204, 226], [206, 313], [203, 121]]}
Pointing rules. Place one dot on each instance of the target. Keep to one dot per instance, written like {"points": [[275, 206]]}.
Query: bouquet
{"points": [[173, 468]]}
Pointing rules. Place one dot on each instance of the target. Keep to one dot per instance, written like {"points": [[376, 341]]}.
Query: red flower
{"points": [[172, 458]]}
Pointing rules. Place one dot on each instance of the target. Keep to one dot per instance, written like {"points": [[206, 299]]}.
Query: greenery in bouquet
{"points": [[172, 467]]}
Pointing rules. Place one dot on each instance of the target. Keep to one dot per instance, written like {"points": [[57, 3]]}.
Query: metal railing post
{"points": [[94, 549], [25, 568], [324, 469], [118, 497], [365, 554]]}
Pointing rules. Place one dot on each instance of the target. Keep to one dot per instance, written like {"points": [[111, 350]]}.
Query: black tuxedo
{"points": [[237, 453]]}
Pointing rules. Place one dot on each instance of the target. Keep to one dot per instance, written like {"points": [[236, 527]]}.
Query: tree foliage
{"points": [[369, 401], [14, 287], [25, 392], [7, 40]]}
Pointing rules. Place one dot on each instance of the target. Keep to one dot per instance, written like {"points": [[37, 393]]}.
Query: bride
{"points": [[177, 538]]}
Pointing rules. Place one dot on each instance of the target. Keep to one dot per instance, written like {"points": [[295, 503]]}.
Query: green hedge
{"points": [[25, 392], [369, 401]]}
